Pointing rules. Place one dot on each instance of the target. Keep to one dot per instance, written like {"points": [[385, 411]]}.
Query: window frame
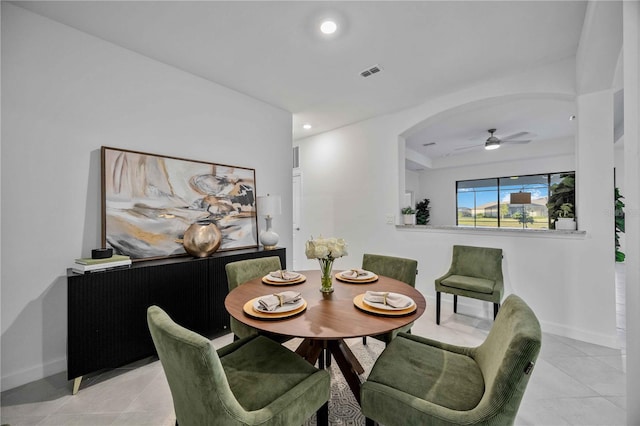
{"points": [[498, 191]]}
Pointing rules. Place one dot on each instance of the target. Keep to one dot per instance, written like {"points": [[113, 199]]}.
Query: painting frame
{"points": [[149, 200]]}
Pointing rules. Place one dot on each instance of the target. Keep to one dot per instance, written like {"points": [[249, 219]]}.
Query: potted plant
{"points": [[408, 216], [565, 218], [422, 212], [562, 192]]}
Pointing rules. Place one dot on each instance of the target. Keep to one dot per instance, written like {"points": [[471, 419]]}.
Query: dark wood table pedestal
{"points": [[311, 350]]}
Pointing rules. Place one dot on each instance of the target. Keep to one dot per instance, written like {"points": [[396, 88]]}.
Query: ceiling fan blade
{"points": [[462, 148], [514, 136], [517, 142]]}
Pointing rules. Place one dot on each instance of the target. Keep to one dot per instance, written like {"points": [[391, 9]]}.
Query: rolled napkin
{"points": [[354, 273], [273, 301], [284, 275], [391, 299]]}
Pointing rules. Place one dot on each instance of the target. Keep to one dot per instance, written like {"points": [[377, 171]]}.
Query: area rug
{"points": [[343, 407]]}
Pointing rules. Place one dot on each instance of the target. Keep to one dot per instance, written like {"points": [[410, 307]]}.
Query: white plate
{"points": [[387, 307], [346, 275], [287, 307]]}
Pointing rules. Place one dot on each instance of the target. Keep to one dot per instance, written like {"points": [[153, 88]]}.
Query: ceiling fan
{"points": [[494, 142]]}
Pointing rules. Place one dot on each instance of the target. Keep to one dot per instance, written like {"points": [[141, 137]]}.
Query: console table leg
{"points": [[76, 384]]}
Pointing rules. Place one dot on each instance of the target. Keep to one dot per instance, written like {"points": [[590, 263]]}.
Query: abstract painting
{"points": [[149, 201]]}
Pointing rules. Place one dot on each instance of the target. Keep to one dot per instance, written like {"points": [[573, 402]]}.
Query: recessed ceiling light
{"points": [[306, 126], [328, 27]]}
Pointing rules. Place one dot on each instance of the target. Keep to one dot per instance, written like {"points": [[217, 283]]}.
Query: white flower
{"points": [[325, 248]]}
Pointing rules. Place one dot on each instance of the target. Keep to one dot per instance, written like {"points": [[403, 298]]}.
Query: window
{"points": [[489, 203]]}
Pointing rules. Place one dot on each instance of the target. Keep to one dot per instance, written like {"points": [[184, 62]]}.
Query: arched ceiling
{"points": [[464, 130]]}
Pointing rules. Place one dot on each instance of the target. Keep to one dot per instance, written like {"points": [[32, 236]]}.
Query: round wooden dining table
{"points": [[328, 319]]}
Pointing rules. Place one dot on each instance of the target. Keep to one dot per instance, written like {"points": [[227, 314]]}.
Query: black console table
{"points": [[107, 311]]}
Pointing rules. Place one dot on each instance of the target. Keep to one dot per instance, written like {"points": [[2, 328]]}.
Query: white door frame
{"points": [[298, 248]]}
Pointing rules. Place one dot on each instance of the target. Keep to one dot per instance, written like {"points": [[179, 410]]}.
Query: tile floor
{"points": [[573, 383]]}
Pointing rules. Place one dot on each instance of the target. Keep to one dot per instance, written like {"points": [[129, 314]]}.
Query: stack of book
{"points": [[86, 264]]}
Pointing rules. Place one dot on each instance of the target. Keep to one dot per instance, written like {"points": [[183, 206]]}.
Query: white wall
{"points": [[631, 24], [412, 184], [356, 185], [65, 94]]}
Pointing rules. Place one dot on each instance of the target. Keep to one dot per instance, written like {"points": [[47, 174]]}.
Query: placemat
{"points": [[249, 310], [358, 301], [367, 280]]}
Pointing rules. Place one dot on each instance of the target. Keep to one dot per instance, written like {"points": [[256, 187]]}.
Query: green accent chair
{"points": [[242, 271], [475, 272], [399, 268], [252, 381], [419, 381]]}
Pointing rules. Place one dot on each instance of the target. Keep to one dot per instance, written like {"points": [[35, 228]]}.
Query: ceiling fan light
{"points": [[491, 145]]}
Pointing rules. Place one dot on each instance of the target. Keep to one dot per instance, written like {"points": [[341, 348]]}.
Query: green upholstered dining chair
{"points": [[399, 268], [418, 381], [242, 271], [252, 381], [475, 272]]}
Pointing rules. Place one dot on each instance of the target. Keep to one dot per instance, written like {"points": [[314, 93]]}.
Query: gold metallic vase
{"points": [[202, 238]]}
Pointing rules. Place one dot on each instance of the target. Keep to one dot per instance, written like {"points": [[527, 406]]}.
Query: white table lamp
{"points": [[269, 206]]}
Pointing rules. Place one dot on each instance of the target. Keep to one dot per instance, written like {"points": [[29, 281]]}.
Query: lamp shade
{"points": [[269, 205], [520, 198]]}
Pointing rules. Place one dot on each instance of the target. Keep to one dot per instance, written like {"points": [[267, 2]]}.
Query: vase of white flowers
{"points": [[326, 250]]}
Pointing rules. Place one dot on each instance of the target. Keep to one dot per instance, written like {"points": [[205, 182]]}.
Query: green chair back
{"points": [[196, 377], [398, 268], [253, 381], [242, 271], [417, 380], [511, 348], [479, 262]]}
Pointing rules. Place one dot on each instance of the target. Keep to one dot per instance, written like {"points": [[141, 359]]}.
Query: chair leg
{"points": [[327, 357], [496, 307], [321, 360], [455, 303], [364, 340], [437, 307], [322, 415]]}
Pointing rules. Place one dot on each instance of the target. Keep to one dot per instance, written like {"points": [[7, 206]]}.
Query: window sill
{"points": [[544, 233]]}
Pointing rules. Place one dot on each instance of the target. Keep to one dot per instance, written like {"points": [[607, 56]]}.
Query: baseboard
{"points": [[579, 334], [484, 310], [29, 375]]}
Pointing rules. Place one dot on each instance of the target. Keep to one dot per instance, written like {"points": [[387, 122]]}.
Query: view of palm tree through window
{"points": [[488, 202]]}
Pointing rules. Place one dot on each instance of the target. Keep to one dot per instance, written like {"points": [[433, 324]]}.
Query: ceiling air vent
{"points": [[371, 70]]}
